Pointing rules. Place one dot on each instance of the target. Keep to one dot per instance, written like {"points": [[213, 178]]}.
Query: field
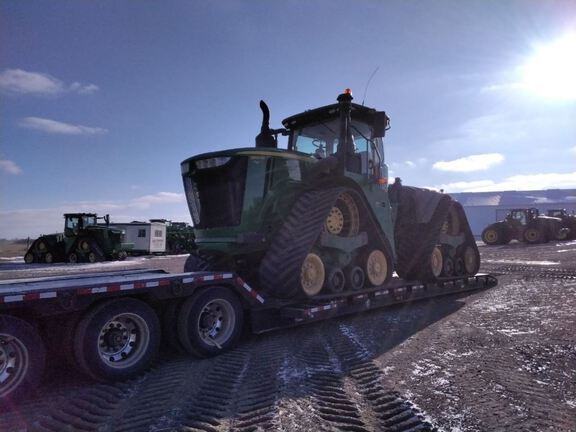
{"points": [[502, 359]]}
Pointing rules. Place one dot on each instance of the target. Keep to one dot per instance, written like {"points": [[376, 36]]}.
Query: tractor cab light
{"points": [[348, 91], [382, 181]]}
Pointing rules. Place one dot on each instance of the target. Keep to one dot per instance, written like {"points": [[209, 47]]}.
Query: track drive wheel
{"points": [[117, 339], [22, 359], [344, 217], [378, 268], [312, 275], [210, 321]]}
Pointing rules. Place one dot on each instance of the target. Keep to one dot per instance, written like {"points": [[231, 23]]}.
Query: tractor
{"points": [[83, 240], [568, 221], [319, 216], [525, 225]]}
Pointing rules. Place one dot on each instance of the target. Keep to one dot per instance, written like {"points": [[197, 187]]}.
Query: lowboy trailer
{"points": [[112, 325]]}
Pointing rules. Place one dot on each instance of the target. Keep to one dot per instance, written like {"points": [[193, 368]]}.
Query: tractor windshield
{"points": [[321, 139]]}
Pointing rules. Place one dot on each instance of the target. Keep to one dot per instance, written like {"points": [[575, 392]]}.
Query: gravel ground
{"points": [[502, 359]]}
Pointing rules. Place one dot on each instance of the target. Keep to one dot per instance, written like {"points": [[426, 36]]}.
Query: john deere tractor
{"points": [[320, 216], [525, 225], [83, 240]]}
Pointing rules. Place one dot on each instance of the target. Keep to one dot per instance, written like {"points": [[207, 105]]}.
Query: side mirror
{"points": [[380, 124]]}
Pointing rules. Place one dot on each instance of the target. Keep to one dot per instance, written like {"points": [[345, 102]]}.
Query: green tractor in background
{"points": [[179, 237], [83, 240], [319, 216]]}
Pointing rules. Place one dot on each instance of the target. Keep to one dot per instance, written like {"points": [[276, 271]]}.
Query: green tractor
{"points": [[568, 222], [83, 240], [320, 217], [526, 225]]}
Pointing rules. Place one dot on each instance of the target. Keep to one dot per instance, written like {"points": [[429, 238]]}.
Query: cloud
{"points": [[24, 223], [18, 81], [573, 150], [56, 127], [9, 167], [517, 182], [479, 162]]}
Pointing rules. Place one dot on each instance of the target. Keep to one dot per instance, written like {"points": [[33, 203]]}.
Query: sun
{"points": [[551, 71]]}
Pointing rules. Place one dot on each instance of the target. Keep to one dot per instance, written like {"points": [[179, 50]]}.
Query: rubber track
{"points": [[415, 242], [280, 268]]}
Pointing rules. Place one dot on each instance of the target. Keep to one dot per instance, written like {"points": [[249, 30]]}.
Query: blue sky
{"points": [[100, 101]]}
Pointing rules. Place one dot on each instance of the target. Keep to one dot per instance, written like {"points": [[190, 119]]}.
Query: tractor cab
{"points": [[75, 222]]}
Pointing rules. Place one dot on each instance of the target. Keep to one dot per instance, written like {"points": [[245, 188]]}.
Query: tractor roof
{"points": [[328, 112]]}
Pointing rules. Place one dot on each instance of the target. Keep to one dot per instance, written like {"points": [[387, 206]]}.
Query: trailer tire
{"points": [[117, 339], [22, 359], [210, 321]]}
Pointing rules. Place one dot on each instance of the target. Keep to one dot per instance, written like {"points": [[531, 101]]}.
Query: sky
{"points": [[100, 101]]}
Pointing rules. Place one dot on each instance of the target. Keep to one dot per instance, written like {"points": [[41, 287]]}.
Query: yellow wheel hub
{"points": [[376, 267], [335, 221], [491, 235], [312, 275]]}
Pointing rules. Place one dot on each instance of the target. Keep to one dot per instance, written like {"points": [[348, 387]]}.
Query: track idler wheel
{"points": [[471, 259], [312, 275], [335, 280], [378, 268], [29, 258]]}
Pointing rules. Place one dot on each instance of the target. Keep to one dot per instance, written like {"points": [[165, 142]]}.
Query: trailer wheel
{"points": [[22, 358], [210, 322], [117, 339]]}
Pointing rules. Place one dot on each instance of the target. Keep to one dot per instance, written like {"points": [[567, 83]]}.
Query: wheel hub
{"points": [[335, 221], [13, 362], [118, 339]]}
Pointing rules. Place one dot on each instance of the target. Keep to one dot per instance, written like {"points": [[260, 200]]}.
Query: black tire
{"points": [[22, 359], [117, 339], [355, 277], [335, 280], [492, 235], [533, 235], [215, 310]]}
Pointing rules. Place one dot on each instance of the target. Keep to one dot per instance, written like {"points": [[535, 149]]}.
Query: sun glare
{"points": [[551, 71]]}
